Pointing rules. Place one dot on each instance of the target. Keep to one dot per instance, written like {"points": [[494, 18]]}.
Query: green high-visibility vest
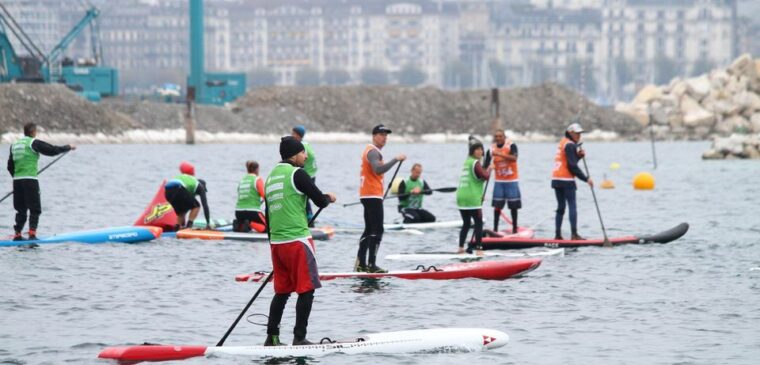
{"points": [[248, 196], [189, 182], [24, 159], [413, 201], [310, 166], [470, 189], [286, 206]]}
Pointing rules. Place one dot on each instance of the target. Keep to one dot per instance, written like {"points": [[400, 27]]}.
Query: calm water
{"points": [[694, 301]]}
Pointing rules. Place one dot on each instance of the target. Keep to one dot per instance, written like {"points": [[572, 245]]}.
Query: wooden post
{"points": [[495, 113], [190, 117]]}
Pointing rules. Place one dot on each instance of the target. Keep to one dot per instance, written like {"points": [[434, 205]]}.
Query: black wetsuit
{"points": [[369, 243], [415, 215]]}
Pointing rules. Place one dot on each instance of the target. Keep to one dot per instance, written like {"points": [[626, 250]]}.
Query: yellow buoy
{"points": [[614, 166], [643, 181], [607, 184], [394, 186]]}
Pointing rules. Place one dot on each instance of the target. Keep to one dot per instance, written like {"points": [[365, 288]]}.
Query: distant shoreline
{"points": [[177, 136]]}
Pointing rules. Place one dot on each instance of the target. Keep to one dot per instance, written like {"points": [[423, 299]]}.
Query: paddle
{"points": [[255, 295], [651, 134], [386, 191], [607, 242], [38, 172], [450, 189]]}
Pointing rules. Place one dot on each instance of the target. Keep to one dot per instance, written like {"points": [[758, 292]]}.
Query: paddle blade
{"points": [[446, 190], [159, 213], [135, 354]]}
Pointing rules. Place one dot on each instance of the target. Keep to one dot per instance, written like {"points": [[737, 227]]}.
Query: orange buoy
{"points": [[607, 184], [643, 181]]}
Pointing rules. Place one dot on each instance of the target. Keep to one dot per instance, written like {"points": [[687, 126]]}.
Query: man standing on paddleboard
{"points": [[22, 165], [506, 189], [470, 196], [250, 191], [288, 187], [310, 166], [371, 195], [565, 171], [180, 192], [411, 192]]}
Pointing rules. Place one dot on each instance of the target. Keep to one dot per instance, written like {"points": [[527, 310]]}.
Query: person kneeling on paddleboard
{"points": [[180, 192], [22, 165], [250, 190], [294, 264], [470, 196], [410, 193], [565, 171], [506, 189]]}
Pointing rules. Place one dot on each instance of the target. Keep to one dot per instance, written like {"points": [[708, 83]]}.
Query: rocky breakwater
{"points": [[719, 104], [56, 109]]}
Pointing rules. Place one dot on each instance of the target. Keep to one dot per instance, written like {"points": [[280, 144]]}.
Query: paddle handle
{"points": [[256, 295], [38, 172]]}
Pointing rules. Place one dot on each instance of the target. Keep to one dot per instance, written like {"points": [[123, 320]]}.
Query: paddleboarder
{"points": [[310, 166], [22, 165], [248, 214], [470, 196], [371, 196], [506, 189], [410, 206], [180, 192], [565, 171], [294, 264]]}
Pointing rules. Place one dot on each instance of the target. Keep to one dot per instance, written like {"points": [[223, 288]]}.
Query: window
{"points": [[590, 47]]}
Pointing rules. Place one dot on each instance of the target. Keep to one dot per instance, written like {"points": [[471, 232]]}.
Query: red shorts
{"points": [[295, 267]]}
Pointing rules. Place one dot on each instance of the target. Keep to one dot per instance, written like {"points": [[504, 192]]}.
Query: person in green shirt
{"points": [[470, 196], [248, 212], [22, 165], [180, 192], [310, 165], [294, 264], [411, 192]]}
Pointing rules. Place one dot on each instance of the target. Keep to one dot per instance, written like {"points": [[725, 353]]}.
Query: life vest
{"points": [[371, 185], [561, 170], [504, 169], [287, 206]]}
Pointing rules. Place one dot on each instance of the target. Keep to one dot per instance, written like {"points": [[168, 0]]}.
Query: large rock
{"points": [[647, 94], [733, 124], [736, 84], [733, 144], [718, 79], [698, 87], [694, 115], [638, 113], [713, 154], [679, 89], [748, 102], [744, 65], [754, 122]]}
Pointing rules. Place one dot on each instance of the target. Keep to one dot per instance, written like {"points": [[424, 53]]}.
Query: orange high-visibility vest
{"points": [[371, 185], [504, 170], [561, 170]]}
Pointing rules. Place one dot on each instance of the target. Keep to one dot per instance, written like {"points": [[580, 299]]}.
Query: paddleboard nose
{"points": [[155, 231], [493, 339]]}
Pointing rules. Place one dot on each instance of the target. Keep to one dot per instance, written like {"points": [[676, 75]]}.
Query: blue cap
{"points": [[300, 129]]}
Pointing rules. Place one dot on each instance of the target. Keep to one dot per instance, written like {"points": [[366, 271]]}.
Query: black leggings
{"points": [[373, 231], [469, 215], [303, 310], [26, 196]]}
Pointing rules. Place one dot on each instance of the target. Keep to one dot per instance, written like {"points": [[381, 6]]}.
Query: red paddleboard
{"points": [[486, 270]]}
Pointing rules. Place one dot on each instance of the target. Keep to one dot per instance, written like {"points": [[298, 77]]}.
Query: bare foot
{"points": [[479, 253], [460, 250]]}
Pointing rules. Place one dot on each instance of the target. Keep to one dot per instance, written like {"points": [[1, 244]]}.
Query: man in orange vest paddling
{"points": [[506, 189], [371, 195], [565, 171]]}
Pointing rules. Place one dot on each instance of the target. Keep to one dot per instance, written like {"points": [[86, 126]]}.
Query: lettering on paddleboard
{"points": [[122, 235], [551, 244]]}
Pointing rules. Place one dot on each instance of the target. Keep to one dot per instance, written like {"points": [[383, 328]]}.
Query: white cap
{"points": [[575, 128]]}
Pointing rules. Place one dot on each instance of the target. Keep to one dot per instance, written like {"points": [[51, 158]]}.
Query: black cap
{"points": [[289, 147], [381, 129]]}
